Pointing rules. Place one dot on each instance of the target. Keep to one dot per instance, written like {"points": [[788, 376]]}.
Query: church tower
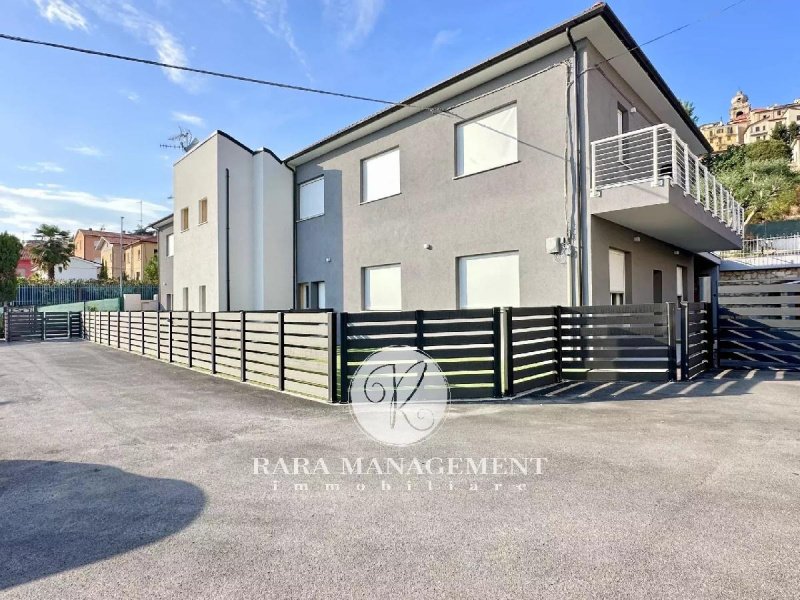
{"points": [[740, 105]]}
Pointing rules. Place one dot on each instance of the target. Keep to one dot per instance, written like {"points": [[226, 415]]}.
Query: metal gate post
{"points": [[684, 329], [130, 328], [332, 357], [281, 361], [344, 379], [169, 334], [44, 324], [497, 352], [559, 344], [69, 324], [142, 333], [669, 309], [189, 338], [508, 364], [213, 343], [119, 330], [243, 340], [419, 321]]}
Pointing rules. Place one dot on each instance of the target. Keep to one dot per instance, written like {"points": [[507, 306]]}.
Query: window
{"points": [[488, 280], [202, 299], [380, 176], [681, 283], [617, 275], [170, 244], [312, 199], [321, 295], [186, 298], [304, 296], [168, 305], [622, 127], [382, 289], [184, 218], [487, 142], [203, 210]]}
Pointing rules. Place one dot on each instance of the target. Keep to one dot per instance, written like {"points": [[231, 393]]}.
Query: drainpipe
{"points": [[227, 239], [583, 222]]}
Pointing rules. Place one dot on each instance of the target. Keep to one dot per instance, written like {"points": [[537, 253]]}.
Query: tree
{"points": [[688, 106], [103, 274], [769, 150], [151, 270], [10, 250], [781, 132], [794, 131], [54, 249]]}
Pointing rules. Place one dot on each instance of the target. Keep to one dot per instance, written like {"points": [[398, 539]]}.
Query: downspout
{"points": [[294, 237], [583, 223], [227, 239]]}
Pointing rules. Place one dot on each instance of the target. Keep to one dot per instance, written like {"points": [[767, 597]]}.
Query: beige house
{"points": [[137, 255], [747, 125], [113, 255], [87, 243]]}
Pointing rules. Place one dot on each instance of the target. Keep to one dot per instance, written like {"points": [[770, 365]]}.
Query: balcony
{"points": [[649, 181]]}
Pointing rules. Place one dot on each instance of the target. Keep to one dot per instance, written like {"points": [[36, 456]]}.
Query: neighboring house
{"points": [[110, 254], [25, 266], [77, 268], [166, 253], [521, 187], [137, 254], [87, 243], [747, 125], [796, 155]]}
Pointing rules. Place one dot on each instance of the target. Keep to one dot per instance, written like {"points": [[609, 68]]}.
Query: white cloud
{"points": [[355, 19], [139, 24], [189, 119], [85, 150], [445, 37], [24, 209], [64, 12], [42, 167], [132, 96], [274, 15]]}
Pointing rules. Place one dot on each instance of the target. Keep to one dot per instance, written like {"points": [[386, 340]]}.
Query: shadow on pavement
{"points": [[56, 516], [709, 384]]}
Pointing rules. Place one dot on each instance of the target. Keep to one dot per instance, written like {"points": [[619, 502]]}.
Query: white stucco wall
{"points": [[195, 176], [78, 268]]}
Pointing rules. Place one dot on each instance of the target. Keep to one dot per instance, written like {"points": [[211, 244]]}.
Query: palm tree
{"points": [[53, 248]]}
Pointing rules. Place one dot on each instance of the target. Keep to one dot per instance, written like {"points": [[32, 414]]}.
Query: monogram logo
{"points": [[399, 396]]}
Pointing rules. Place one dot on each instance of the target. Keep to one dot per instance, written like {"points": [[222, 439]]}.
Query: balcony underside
{"points": [[665, 213]]}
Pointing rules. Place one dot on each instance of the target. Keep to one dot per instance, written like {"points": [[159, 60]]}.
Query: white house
{"points": [[78, 268]]}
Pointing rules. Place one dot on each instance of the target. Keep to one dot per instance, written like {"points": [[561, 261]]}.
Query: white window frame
{"points": [[301, 217], [365, 164], [618, 296], [185, 222], [366, 302], [462, 264], [459, 154], [186, 298], [170, 241], [201, 298]]}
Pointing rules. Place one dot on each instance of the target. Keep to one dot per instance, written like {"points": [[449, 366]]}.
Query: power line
{"points": [[301, 88]]}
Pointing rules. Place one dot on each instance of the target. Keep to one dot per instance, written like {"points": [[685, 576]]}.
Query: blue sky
{"points": [[83, 133]]}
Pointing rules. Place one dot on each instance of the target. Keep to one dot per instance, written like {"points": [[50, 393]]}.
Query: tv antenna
{"points": [[182, 141]]}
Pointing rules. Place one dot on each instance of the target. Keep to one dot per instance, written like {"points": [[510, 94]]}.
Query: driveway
{"points": [[121, 476]]}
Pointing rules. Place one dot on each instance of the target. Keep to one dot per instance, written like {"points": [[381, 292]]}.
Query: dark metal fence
{"points": [[43, 295], [533, 348], [696, 339], [464, 343], [759, 326], [22, 325]]}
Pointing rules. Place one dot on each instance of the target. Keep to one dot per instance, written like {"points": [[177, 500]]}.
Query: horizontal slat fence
{"points": [[696, 339], [533, 348], [291, 351], [759, 326], [20, 325], [630, 342], [464, 343]]}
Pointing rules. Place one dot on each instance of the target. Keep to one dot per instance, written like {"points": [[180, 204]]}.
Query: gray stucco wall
{"points": [[645, 255], [509, 208], [165, 285], [605, 91]]}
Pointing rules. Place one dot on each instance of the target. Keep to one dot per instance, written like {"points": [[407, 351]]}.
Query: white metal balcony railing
{"points": [[654, 154]]}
